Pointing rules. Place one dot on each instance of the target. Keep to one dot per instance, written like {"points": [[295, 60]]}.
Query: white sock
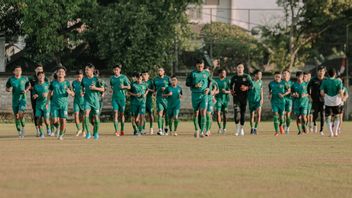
{"points": [[336, 124]]}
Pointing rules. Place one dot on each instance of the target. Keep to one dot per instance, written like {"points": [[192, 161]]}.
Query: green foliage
{"points": [[233, 44]]}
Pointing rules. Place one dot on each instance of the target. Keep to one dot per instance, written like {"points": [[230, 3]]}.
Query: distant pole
{"points": [[347, 80], [175, 66], [2, 52]]}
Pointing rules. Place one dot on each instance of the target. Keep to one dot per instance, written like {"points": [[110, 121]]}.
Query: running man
{"points": [[255, 101], [78, 102], [222, 100], [286, 78]]}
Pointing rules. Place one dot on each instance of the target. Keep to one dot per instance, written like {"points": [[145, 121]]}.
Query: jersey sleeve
{"points": [[51, 88], [127, 82], [189, 80], [8, 83]]}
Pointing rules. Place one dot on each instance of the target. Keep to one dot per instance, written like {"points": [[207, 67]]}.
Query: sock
{"points": [[86, 124], [135, 128], [18, 125], [224, 124], [40, 131], [209, 122], [96, 126], [288, 122], [281, 121], [22, 120], [337, 124], [195, 123], [159, 122], [276, 123], [251, 122], [62, 132], [256, 125], [78, 126], [203, 122], [219, 125], [176, 121], [116, 125], [329, 125], [151, 124], [122, 125], [170, 125]]}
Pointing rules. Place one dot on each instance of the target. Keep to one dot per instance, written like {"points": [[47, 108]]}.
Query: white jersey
{"points": [[332, 101]]}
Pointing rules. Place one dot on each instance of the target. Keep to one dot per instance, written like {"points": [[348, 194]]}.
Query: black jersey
{"points": [[314, 89], [237, 82]]}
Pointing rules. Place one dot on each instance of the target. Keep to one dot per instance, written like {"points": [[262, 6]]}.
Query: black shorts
{"points": [[318, 107], [333, 110]]}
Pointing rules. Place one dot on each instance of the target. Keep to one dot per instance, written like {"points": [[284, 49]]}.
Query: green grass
{"points": [[151, 166]]}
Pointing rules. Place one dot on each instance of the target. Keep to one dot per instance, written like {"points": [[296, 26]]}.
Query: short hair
{"points": [[61, 67], [199, 61], [90, 65], [286, 70], [299, 73], [96, 72], [145, 72], [39, 73], [240, 65], [174, 76], [17, 66], [38, 65], [118, 65], [306, 73], [332, 72], [139, 75], [277, 72], [256, 71], [321, 67], [221, 70], [79, 72]]}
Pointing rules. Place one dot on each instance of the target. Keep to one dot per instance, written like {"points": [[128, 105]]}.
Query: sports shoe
{"points": [[276, 134], [282, 131], [196, 134], [315, 129], [207, 133], [175, 134], [322, 133], [223, 131], [201, 134], [220, 131], [242, 132], [96, 136], [160, 132], [42, 136], [117, 134], [78, 133], [61, 137], [254, 131], [287, 130], [122, 133], [88, 136]]}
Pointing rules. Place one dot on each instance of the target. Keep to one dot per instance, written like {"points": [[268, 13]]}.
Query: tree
{"points": [[233, 44]]}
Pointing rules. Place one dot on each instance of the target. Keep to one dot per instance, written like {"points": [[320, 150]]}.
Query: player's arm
{"points": [[181, 93], [189, 80], [345, 96], [167, 93], [270, 95], [262, 95], [27, 86], [98, 88], [233, 85], [8, 85], [69, 90], [126, 85], [35, 94], [322, 92]]}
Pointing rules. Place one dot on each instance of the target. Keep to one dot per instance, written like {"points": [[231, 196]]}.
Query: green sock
{"points": [[151, 124], [170, 125], [41, 131], [276, 123], [122, 125], [224, 125], [251, 122], [195, 123], [159, 121], [288, 121], [219, 125], [78, 126], [176, 121], [256, 124], [203, 122], [209, 122], [86, 124], [116, 125], [62, 132], [23, 121], [96, 126], [162, 123], [299, 127], [18, 125], [281, 121], [135, 129]]}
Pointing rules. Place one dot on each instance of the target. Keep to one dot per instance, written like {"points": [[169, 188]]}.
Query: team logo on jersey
{"points": [[204, 76]]}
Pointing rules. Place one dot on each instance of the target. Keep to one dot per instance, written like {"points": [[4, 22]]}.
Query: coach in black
{"points": [[240, 85], [317, 99]]}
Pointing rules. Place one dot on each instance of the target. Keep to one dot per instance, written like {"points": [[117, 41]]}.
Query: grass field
{"points": [[182, 166]]}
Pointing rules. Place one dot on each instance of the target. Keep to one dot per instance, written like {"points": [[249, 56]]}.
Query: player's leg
{"points": [[224, 111], [236, 112], [243, 107], [86, 121]]}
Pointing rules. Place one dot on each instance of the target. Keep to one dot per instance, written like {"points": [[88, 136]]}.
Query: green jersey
{"points": [[42, 91], [276, 88], [288, 85], [174, 99], [59, 93], [223, 84], [116, 82], [141, 89], [255, 93], [331, 86], [150, 85], [18, 85], [300, 89], [160, 83], [77, 88], [91, 96], [198, 81]]}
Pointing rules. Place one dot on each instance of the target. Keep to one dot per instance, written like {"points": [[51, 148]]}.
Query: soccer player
{"points": [[241, 83], [332, 91], [33, 80], [42, 111], [161, 82], [277, 98], [78, 102], [210, 108], [198, 80], [59, 90], [139, 91], [173, 94], [222, 99], [317, 99], [119, 84], [286, 79], [20, 86], [91, 89], [300, 102], [344, 100], [149, 105], [307, 77], [255, 101]]}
